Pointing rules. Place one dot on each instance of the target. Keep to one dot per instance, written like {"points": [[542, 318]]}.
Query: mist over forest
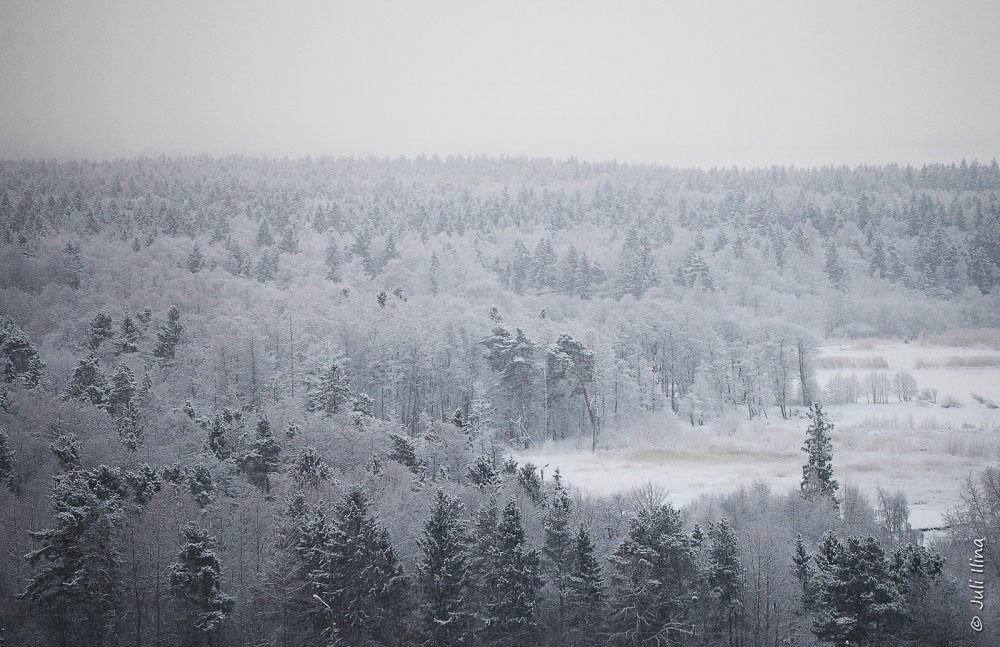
{"points": [[262, 401]]}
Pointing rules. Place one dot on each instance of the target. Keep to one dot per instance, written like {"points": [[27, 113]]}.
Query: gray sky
{"points": [[682, 83]]}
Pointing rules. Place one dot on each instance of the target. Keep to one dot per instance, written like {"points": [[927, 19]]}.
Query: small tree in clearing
{"points": [[817, 473]]}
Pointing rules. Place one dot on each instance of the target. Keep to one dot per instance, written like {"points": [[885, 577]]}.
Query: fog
{"points": [[678, 83]]}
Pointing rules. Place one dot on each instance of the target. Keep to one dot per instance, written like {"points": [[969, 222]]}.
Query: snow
{"points": [[921, 448]]}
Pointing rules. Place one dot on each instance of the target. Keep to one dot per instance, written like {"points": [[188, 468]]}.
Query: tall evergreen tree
{"points": [[330, 394], [443, 573], [586, 595], [725, 578], [817, 473], [87, 382], [128, 336], [19, 359], [195, 262], [264, 237], [196, 581], [653, 580], [101, 329], [361, 579], [169, 335], [558, 550], [332, 259], [7, 462], [260, 458], [512, 584]]}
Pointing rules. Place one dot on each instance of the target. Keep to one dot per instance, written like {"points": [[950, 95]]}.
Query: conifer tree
{"points": [[586, 595], [128, 336], [264, 237], [195, 261], [361, 579], [834, 265], [558, 549], [196, 580], [817, 473], [101, 329], [443, 573], [310, 470], [121, 392], [19, 360], [434, 274], [330, 394], [289, 240], [87, 382], [66, 447], [653, 576], [169, 335], [725, 578], [7, 462], [78, 586], [404, 453], [332, 260], [260, 459], [512, 583]]}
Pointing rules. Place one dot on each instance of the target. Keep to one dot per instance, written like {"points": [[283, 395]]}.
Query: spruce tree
{"points": [[87, 382], [725, 578], [101, 329], [332, 259], [128, 336], [653, 580], [558, 549], [7, 462], [310, 470], [195, 261], [66, 448], [196, 580], [586, 595], [19, 360], [169, 335], [330, 394], [404, 453], [443, 573], [78, 586], [264, 237], [260, 459], [361, 579], [817, 473], [512, 583], [121, 392]]}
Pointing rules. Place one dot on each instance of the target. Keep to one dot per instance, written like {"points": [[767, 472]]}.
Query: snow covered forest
{"points": [[293, 402]]}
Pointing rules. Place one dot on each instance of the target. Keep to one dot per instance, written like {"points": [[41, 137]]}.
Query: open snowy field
{"points": [[925, 448]]}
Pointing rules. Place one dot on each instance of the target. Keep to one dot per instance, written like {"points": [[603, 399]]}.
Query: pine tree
{"points": [[319, 222], [512, 582], [169, 335], [122, 392], [361, 579], [78, 586], [310, 470], [7, 462], [128, 336], [264, 237], [332, 260], [817, 473], [434, 274], [289, 241], [260, 459], [857, 599], [196, 580], [637, 265], [653, 580], [101, 329], [586, 595], [558, 549], [804, 571], [725, 577], [19, 360], [66, 447], [87, 383], [195, 261], [330, 394], [404, 453], [834, 266], [543, 266], [443, 573]]}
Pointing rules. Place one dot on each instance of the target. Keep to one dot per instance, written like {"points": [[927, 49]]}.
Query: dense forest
{"points": [[272, 402]]}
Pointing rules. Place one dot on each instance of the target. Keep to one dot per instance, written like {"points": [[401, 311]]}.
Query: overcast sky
{"points": [[681, 83]]}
